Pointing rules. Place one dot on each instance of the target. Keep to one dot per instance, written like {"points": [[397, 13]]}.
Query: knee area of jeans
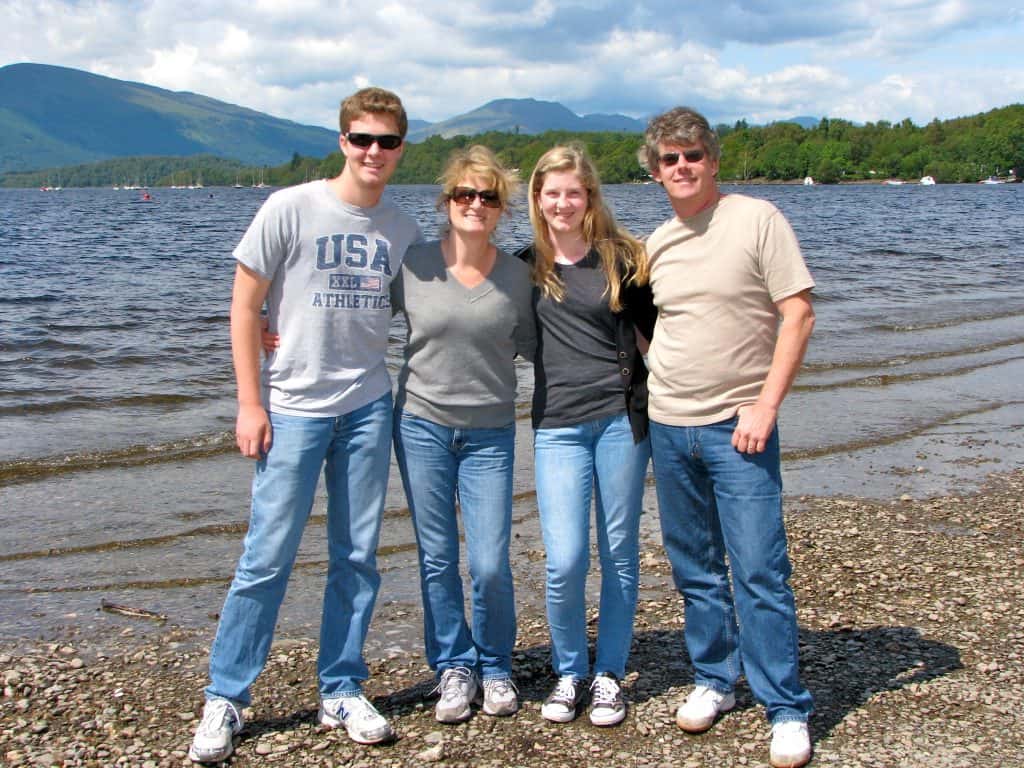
{"points": [[258, 576]]}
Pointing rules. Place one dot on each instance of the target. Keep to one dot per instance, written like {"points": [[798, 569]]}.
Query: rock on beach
{"points": [[911, 641]]}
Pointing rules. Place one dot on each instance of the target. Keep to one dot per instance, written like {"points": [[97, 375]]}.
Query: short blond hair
{"points": [[374, 101], [481, 162]]}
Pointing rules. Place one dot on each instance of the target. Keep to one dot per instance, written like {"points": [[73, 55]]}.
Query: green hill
{"points": [[55, 116]]}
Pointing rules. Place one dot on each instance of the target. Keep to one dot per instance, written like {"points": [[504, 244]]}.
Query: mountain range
{"points": [[57, 116]]}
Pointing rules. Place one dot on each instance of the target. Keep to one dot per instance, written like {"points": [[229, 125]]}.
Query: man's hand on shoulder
{"points": [[252, 431], [754, 427]]}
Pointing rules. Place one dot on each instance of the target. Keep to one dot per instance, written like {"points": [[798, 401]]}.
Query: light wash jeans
{"points": [[354, 451], [715, 500], [439, 465], [597, 459]]}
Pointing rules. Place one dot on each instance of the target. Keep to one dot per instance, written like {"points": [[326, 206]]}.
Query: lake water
{"points": [[118, 473]]}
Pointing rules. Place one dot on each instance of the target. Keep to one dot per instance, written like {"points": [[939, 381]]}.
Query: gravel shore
{"points": [[912, 634]]}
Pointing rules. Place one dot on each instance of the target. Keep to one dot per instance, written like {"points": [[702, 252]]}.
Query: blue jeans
{"points": [[439, 465], [715, 500], [354, 451], [571, 464]]}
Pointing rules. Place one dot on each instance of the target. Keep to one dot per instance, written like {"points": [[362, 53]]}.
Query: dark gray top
{"points": [[576, 373]]}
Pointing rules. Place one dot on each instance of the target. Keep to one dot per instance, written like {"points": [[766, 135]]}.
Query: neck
{"points": [[570, 247], [473, 249], [686, 209], [348, 190]]}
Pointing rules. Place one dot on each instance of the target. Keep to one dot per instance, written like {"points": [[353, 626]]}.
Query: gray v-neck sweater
{"points": [[458, 368]]}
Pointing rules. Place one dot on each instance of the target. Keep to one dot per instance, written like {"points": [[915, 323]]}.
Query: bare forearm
{"points": [[245, 353]]}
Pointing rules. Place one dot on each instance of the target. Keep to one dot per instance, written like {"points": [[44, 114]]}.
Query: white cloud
{"points": [[860, 59]]}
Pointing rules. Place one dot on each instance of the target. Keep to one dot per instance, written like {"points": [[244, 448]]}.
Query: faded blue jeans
{"points": [[441, 465], [354, 451], [597, 459], [715, 500]]}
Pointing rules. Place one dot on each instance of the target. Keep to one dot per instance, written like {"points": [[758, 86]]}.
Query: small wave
{"points": [[201, 447], [888, 379], [79, 402], [950, 323], [812, 367]]}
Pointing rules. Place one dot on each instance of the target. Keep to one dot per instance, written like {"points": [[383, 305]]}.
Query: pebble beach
{"points": [[912, 643]]}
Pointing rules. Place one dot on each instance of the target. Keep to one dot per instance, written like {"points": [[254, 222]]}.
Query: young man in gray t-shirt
{"points": [[321, 257]]}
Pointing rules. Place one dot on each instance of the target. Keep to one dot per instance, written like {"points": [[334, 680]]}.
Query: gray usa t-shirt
{"points": [[330, 267]]}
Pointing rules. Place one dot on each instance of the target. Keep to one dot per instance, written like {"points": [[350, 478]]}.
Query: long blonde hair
{"points": [[622, 256]]}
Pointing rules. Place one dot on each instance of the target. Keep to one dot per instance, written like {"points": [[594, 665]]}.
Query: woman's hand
{"points": [[269, 341]]}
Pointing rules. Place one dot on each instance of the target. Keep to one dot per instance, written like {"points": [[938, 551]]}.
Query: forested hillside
{"points": [[965, 149]]}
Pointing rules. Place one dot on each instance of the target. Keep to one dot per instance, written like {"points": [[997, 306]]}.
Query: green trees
{"points": [[964, 149]]}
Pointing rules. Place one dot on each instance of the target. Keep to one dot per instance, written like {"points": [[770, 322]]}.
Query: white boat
{"points": [[927, 181], [808, 181], [992, 180], [894, 182]]}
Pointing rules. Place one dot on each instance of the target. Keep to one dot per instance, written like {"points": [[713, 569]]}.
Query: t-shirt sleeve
{"points": [[782, 263], [265, 243]]}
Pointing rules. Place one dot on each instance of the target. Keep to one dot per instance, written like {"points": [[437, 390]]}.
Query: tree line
{"points": [[964, 149]]}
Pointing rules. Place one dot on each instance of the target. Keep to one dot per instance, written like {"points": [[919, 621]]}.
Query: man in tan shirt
{"points": [[734, 319]]}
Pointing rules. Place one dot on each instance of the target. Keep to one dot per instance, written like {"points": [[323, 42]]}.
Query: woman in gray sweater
{"points": [[469, 312]]}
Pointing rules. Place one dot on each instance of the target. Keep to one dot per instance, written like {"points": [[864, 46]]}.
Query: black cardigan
{"points": [[638, 312]]}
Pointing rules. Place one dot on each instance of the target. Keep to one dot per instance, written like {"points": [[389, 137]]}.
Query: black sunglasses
{"points": [[466, 195], [366, 140], [691, 156]]}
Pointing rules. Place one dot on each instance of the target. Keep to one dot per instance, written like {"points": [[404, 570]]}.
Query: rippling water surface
{"points": [[117, 475]]}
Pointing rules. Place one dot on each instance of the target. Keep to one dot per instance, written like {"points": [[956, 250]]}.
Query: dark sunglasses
{"points": [[466, 195], [366, 140], [691, 156]]}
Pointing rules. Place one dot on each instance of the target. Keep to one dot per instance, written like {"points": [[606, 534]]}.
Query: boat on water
{"points": [[894, 182], [992, 180], [927, 181], [808, 181]]}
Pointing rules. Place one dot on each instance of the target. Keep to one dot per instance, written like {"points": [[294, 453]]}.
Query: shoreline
{"points": [[910, 612]]}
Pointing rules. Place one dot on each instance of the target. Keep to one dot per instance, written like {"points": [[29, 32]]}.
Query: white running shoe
{"points": [[215, 737], [458, 689], [791, 744], [501, 697], [363, 723], [702, 707]]}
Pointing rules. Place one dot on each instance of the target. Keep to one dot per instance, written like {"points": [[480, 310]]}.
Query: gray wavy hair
{"points": [[681, 125]]}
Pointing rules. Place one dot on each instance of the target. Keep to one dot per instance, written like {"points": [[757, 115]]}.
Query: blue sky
{"points": [[761, 60]]}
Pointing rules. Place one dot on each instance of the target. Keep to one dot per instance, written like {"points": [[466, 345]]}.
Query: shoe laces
{"points": [[501, 687], [566, 688], [216, 713], [358, 708], [604, 690], [454, 682]]}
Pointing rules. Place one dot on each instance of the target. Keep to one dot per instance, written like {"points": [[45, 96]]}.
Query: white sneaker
{"points": [[791, 744], [458, 689], [607, 707], [363, 723], [215, 737], [561, 706], [500, 697], [702, 707]]}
